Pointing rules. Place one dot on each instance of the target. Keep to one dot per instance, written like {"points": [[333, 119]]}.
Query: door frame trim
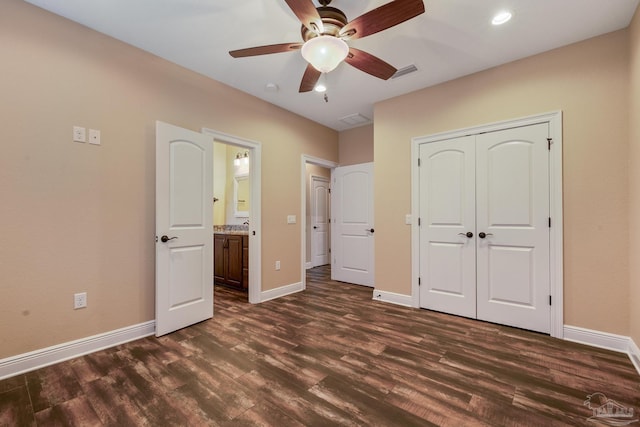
{"points": [[304, 159], [556, 259], [255, 209]]}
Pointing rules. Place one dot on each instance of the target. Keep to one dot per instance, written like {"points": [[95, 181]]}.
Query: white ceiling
{"points": [[452, 39]]}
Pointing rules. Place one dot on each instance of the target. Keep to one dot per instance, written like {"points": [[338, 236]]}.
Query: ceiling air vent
{"points": [[404, 71], [355, 119]]}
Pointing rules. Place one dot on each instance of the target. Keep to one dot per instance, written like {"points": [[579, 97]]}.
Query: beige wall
{"points": [[634, 182], [588, 81], [78, 217], [356, 146]]}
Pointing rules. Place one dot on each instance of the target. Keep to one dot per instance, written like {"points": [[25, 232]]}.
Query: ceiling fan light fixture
{"points": [[325, 53]]}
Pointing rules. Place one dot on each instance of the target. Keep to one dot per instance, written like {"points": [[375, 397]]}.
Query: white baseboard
{"points": [[393, 298], [634, 354], [593, 338], [33, 360], [281, 291]]}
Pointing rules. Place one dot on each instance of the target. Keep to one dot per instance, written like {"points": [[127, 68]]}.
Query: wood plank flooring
{"points": [[327, 356]]}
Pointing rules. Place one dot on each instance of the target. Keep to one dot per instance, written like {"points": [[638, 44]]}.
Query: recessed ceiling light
{"points": [[271, 87], [320, 87], [501, 18]]}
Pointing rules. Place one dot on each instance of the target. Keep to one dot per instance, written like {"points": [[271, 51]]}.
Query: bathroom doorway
{"points": [[236, 214]]}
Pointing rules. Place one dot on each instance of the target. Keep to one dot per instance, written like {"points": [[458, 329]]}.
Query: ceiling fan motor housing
{"points": [[332, 19]]}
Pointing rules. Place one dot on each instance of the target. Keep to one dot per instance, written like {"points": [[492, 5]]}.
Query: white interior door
{"points": [[512, 195], [184, 228], [320, 227], [352, 224], [447, 214]]}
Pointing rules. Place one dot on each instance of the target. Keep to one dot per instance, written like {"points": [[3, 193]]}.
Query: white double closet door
{"points": [[484, 234]]}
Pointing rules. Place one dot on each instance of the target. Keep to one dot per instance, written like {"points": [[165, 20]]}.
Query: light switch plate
{"points": [[94, 136], [407, 219], [79, 134], [291, 219]]}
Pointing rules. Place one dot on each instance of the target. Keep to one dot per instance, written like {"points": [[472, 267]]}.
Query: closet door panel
{"points": [[447, 214], [512, 192]]}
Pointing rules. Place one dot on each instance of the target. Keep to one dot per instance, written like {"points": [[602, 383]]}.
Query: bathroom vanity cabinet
{"points": [[231, 260]]}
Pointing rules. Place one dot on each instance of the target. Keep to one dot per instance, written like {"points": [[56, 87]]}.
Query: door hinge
{"points": [[549, 142], [329, 191], [549, 299], [419, 222], [419, 281], [549, 222], [418, 161]]}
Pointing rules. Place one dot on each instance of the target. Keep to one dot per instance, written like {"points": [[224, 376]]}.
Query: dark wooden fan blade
{"points": [[265, 50], [307, 14], [309, 79], [370, 64], [381, 18]]}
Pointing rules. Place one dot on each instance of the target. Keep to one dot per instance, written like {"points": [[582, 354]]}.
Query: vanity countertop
{"points": [[234, 232]]}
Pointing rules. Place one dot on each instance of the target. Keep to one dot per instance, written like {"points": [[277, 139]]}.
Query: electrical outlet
{"points": [[277, 265], [79, 300]]}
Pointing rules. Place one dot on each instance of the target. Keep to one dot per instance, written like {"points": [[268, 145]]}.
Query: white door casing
{"points": [[352, 227], [512, 199], [184, 194], [447, 213], [320, 216], [502, 200]]}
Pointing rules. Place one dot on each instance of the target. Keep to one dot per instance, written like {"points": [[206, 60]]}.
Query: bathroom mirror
{"points": [[241, 193]]}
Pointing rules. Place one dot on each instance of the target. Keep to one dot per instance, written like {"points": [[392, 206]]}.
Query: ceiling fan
{"points": [[324, 31]]}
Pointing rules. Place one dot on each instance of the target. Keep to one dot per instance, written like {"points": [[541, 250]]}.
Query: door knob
{"points": [[482, 234], [370, 230], [165, 239], [315, 227], [467, 234]]}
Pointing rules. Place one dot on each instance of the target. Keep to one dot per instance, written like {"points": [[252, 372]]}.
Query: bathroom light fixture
{"points": [[241, 159], [325, 52], [501, 18]]}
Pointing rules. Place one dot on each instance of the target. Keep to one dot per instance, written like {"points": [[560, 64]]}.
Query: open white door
{"points": [[352, 224], [184, 228], [320, 227]]}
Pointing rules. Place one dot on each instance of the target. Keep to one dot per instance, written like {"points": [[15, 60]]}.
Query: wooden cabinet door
{"points": [[219, 274], [234, 260], [245, 262]]}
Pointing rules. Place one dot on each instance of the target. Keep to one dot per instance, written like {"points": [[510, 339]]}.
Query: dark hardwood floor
{"points": [[326, 356]]}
